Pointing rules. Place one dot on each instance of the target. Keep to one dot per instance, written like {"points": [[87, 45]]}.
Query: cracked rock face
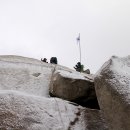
{"points": [[112, 83], [25, 103]]}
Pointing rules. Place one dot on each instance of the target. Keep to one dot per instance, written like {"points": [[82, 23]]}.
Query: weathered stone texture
{"points": [[112, 84]]}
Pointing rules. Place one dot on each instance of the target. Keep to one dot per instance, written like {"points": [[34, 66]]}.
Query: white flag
{"points": [[78, 38]]}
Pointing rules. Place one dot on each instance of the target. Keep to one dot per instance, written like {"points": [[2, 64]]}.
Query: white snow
{"points": [[75, 75], [25, 77]]}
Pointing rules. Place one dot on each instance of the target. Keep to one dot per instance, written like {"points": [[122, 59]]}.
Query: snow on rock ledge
{"points": [[19, 111], [113, 92], [25, 74]]}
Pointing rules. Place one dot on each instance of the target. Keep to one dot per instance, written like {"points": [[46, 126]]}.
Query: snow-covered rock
{"points": [[25, 74], [113, 92], [73, 86], [19, 111], [25, 103]]}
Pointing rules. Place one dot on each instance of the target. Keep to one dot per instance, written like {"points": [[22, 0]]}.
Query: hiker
{"points": [[53, 60], [44, 60]]}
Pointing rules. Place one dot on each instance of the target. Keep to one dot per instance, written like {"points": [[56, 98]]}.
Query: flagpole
{"points": [[79, 47]]}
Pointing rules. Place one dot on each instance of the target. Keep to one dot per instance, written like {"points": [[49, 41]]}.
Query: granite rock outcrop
{"points": [[112, 83], [25, 103]]}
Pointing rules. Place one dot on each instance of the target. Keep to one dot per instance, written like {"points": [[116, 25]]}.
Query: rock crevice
{"points": [[25, 103]]}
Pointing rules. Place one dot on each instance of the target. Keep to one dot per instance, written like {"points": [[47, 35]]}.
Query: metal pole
{"points": [[79, 48]]}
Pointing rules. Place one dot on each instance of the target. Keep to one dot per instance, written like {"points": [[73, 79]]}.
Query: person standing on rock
{"points": [[53, 60]]}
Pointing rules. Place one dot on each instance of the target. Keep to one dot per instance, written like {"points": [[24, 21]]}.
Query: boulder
{"points": [[20, 111], [112, 84], [74, 86]]}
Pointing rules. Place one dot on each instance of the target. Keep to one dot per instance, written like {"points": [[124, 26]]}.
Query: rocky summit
{"points": [[40, 96], [34, 97]]}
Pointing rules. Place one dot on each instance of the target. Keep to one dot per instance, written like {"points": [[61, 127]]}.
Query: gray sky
{"points": [[46, 28]]}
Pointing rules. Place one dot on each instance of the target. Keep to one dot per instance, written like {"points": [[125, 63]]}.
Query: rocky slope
{"points": [[25, 103], [33, 96], [40, 96]]}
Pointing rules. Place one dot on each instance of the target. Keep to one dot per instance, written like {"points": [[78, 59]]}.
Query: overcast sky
{"points": [[46, 28]]}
